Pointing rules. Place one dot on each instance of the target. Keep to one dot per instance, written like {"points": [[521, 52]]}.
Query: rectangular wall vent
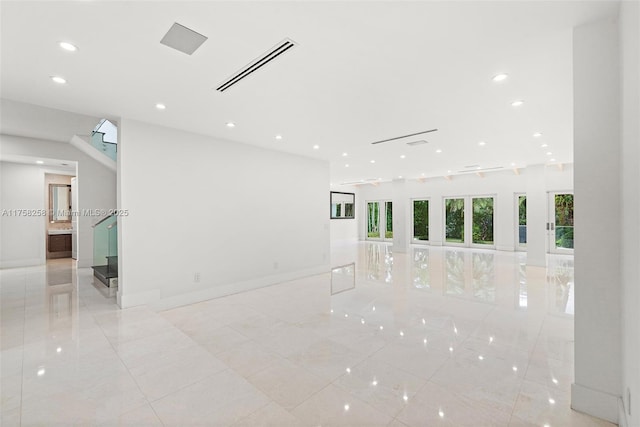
{"points": [[277, 50]]}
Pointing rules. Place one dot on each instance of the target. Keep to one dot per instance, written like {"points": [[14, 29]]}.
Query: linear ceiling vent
{"points": [[269, 56], [481, 170], [405, 136], [183, 39], [414, 143]]}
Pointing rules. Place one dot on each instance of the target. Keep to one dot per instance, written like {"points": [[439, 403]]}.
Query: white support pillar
{"points": [[536, 217], [596, 84], [401, 216]]}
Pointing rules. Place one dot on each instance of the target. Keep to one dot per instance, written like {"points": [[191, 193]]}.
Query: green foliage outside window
{"points": [[421, 219], [483, 220], [454, 213]]}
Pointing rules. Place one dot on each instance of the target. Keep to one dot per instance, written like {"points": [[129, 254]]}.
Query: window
{"points": [[421, 220], [454, 220]]}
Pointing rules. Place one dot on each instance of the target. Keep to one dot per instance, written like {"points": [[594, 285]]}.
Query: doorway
{"points": [[469, 221], [560, 222], [380, 220]]}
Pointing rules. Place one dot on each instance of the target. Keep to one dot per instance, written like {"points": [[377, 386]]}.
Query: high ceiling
{"points": [[360, 72]]}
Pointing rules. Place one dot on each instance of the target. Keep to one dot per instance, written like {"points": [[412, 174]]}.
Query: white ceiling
{"points": [[361, 72]]}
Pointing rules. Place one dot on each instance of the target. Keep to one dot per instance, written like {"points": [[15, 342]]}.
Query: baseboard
{"points": [[140, 298], [595, 403], [622, 414], [30, 262], [154, 300]]}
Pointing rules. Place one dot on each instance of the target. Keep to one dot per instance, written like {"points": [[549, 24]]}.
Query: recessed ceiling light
{"points": [[402, 156], [537, 135], [161, 106], [68, 46], [500, 77], [449, 171], [40, 162], [513, 164], [372, 161], [58, 79], [399, 176], [549, 153], [347, 165], [344, 154], [316, 147], [482, 143], [517, 103], [552, 160], [438, 151], [544, 145], [278, 136], [231, 125]]}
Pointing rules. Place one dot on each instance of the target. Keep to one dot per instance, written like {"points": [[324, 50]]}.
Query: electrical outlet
{"points": [[196, 277]]}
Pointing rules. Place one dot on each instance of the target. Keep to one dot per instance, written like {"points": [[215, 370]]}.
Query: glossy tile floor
{"points": [[436, 336]]}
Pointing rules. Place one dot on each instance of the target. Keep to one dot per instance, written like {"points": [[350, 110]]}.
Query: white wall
{"points": [[246, 217], [502, 185], [597, 385], [344, 231], [96, 187], [22, 237], [35, 121], [630, 223]]}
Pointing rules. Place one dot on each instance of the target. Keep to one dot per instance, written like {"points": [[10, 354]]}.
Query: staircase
{"points": [[105, 251], [104, 139]]}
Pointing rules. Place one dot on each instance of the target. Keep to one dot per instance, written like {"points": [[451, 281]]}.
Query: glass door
{"points": [[373, 220], [380, 220], [454, 221], [521, 222], [420, 221], [388, 214], [560, 225], [482, 221], [469, 221]]}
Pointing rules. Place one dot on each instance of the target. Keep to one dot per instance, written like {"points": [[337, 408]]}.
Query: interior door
{"points": [[560, 222]]}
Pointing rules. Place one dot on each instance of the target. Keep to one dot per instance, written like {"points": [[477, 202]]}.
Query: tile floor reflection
{"points": [[435, 336]]}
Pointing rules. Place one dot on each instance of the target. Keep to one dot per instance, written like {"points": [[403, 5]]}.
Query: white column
{"points": [[536, 217], [596, 75], [401, 216]]}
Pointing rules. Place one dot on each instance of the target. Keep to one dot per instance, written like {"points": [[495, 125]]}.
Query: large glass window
{"points": [[564, 221], [454, 220], [373, 220], [482, 220], [421, 220], [388, 231], [522, 220]]}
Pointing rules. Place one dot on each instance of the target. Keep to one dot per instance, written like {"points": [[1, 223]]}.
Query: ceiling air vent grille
{"points": [[278, 50], [414, 143], [478, 169]]}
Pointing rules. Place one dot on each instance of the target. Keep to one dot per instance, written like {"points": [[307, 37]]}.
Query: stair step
{"points": [[108, 276]]}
